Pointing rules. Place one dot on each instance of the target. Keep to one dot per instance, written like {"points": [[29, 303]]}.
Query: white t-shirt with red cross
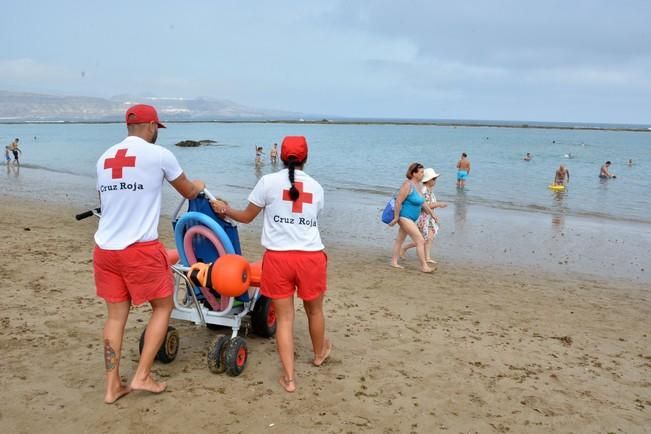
{"points": [[129, 180], [289, 225]]}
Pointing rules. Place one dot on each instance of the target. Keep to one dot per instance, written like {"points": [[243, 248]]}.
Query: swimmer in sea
{"points": [[528, 157]]}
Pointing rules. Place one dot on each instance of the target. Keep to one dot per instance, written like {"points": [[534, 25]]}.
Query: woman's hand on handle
{"points": [[220, 207]]}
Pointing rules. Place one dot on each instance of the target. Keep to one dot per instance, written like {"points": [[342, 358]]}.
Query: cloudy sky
{"points": [[504, 60]]}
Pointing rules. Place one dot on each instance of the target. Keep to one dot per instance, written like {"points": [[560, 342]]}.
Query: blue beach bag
{"points": [[389, 211]]}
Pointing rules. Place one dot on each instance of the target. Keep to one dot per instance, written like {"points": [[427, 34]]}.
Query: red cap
{"points": [[142, 114], [295, 146]]}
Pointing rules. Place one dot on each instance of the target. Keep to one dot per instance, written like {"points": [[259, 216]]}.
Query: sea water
{"points": [[506, 212]]}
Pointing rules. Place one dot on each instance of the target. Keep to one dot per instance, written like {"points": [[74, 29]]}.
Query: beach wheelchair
{"points": [[202, 237]]}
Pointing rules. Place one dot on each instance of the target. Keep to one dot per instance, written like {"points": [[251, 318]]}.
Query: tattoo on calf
{"points": [[110, 358]]}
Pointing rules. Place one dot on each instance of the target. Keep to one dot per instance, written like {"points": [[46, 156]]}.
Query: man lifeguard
{"points": [[130, 264]]}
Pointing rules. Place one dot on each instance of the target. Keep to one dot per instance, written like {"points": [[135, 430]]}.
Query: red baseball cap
{"points": [[295, 146], [142, 114]]}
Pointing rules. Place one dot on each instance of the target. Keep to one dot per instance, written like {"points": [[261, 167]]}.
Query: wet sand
{"points": [[467, 349]]}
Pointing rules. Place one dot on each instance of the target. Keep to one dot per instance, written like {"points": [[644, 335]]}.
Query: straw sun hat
{"points": [[429, 173]]}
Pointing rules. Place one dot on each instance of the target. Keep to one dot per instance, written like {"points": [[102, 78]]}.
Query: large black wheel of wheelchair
{"points": [[235, 356], [168, 350], [216, 362], [263, 318]]}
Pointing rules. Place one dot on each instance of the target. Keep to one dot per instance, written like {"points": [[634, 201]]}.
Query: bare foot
{"points": [[319, 360], [426, 269], [431, 261], [396, 265], [403, 252], [112, 396], [148, 385], [288, 384]]}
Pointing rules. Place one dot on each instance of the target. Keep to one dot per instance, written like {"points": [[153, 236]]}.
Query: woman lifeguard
{"points": [[294, 259]]}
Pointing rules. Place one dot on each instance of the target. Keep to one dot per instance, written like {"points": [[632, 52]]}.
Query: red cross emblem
{"points": [[119, 162], [304, 197]]}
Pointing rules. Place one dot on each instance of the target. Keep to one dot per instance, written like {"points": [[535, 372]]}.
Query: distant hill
{"points": [[20, 106]]}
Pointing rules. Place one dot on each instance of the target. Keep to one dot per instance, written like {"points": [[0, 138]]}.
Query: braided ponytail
{"points": [[291, 165]]}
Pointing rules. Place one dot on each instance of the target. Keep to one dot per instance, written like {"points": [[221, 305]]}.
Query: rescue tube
{"points": [[556, 187], [204, 232], [190, 219]]}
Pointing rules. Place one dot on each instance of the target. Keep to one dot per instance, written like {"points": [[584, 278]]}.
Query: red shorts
{"points": [[139, 273], [285, 272]]}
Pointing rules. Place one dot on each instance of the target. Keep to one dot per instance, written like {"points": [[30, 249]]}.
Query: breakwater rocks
{"points": [[194, 143]]}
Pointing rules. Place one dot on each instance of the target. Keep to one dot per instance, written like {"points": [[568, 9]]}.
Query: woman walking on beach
{"points": [[294, 259], [427, 223], [409, 203]]}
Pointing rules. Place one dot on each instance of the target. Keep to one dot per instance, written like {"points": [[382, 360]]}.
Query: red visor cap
{"points": [[295, 146], [142, 114]]}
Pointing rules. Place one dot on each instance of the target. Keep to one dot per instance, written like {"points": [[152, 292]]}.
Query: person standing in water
{"points": [[463, 170], [562, 176], [273, 154], [604, 172], [15, 150], [259, 151]]}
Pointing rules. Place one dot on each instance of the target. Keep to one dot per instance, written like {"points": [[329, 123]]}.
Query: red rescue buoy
{"points": [[256, 273], [231, 275]]}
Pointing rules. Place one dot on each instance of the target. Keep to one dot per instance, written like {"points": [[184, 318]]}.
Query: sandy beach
{"points": [[467, 349]]}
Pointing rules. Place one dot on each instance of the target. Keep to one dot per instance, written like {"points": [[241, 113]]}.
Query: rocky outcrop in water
{"points": [[193, 143]]}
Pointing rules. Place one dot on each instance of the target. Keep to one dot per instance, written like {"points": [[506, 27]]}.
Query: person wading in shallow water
{"points": [[562, 176], [463, 170], [16, 151], [604, 171], [130, 264]]}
